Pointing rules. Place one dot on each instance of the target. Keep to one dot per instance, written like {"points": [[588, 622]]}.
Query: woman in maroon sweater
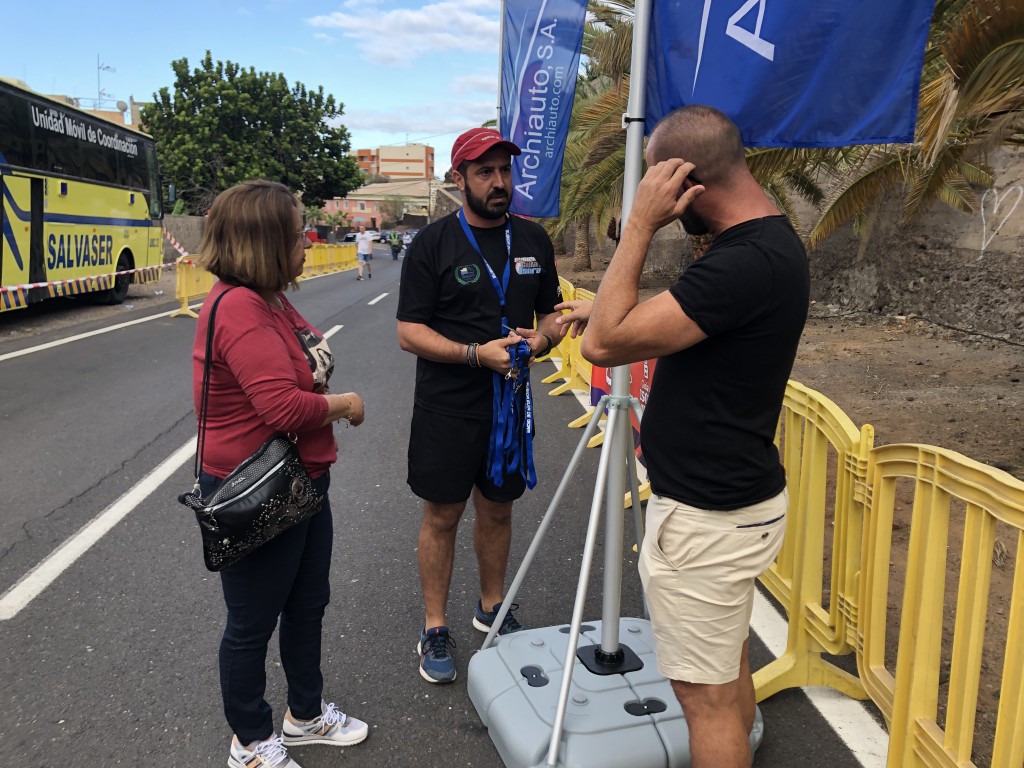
{"points": [[269, 373]]}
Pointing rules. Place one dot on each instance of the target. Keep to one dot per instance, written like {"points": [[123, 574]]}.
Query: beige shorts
{"points": [[698, 568]]}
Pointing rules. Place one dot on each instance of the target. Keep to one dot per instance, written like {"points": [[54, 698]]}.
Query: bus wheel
{"points": [[118, 293]]}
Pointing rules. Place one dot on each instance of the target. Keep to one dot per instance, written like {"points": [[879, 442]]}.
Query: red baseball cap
{"points": [[477, 141]]}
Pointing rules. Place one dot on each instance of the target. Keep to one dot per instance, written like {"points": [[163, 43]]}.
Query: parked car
{"points": [[374, 235], [350, 237]]}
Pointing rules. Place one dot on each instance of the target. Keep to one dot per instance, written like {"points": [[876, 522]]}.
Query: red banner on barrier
{"points": [[640, 376]]}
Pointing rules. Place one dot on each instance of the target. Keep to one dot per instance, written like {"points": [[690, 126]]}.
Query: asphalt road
{"points": [[114, 662]]}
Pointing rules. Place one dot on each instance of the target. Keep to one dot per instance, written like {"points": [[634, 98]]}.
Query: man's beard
{"points": [[693, 224], [492, 208]]}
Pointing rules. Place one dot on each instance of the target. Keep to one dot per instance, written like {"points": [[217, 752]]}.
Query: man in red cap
{"points": [[472, 285]]}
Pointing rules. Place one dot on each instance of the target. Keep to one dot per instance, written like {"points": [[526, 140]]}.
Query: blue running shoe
{"points": [[485, 619], [437, 663]]}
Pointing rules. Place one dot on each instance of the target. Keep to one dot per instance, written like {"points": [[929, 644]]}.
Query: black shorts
{"points": [[448, 456]]}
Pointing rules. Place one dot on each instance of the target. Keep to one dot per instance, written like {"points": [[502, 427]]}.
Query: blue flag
{"points": [[540, 59], [792, 73]]}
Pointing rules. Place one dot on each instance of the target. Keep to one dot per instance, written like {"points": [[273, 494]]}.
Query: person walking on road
{"points": [[364, 253], [269, 373], [451, 308], [396, 245], [406, 241], [725, 335]]}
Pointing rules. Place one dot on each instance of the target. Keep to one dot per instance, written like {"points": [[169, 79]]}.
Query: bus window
{"points": [[153, 181]]}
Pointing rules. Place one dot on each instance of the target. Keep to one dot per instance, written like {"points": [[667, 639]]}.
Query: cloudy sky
{"points": [[405, 70]]}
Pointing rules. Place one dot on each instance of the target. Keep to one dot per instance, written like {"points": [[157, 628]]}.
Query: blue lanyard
{"points": [[501, 288], [511, 443]]}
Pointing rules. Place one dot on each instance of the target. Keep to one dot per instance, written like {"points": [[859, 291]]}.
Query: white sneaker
{"points": [[333, 727], [270, 753]]}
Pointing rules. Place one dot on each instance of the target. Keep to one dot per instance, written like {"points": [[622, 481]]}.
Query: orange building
{"points": [[409, 161]]}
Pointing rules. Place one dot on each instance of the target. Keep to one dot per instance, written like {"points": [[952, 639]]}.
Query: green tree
{"points": [[221, 124], [392, 210]]}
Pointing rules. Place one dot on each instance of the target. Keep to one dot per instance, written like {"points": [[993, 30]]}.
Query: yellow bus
{"points": [[81, 202]]}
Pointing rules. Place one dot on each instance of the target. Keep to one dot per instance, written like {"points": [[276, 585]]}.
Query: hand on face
{"points": [[664, 195]]}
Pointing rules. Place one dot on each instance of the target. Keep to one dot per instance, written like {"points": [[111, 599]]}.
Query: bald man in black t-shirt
{"points": [[725, 335]]}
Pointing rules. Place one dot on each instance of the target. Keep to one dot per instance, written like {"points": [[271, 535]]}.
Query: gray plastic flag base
{"points": [[611, 720]]}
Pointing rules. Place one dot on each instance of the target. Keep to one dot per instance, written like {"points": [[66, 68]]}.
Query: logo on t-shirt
{"points": [[526, 265], [467, 274]]}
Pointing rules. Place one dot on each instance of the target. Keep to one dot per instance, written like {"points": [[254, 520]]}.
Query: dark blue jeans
{"points": [[288, 577]]}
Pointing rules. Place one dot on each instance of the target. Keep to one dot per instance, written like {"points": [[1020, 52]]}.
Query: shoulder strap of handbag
{"points": [[201, 437]]}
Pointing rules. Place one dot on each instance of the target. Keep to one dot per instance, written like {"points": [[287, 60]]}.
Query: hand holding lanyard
{"points": [[511, 444]]}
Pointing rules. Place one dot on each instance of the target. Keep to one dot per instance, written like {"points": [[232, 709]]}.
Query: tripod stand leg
{"points": [[545, 523], [638, 516], [611, 429]]}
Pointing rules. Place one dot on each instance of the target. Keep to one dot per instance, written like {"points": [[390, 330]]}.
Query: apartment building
{"points": [[409, 161]]}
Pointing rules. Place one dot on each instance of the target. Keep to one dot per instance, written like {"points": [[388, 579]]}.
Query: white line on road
{"points": [[333, 331], [374, 301], [39, 578], [80, 336], [849, 718]]}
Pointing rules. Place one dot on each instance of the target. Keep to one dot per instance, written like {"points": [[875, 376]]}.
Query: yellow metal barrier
{"points": [[814, 435], [564, 372], [909, 698], [577, 371], [191, 282], [834, 475]]}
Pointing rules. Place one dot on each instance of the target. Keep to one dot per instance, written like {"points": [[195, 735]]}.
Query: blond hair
{"points": [[250, 235]]}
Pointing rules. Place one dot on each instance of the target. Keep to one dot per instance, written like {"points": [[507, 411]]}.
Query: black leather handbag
{"points": [[265, 495]]}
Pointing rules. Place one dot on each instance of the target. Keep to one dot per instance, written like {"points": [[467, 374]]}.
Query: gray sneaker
{"points": [[270, 753], [333, 727]]}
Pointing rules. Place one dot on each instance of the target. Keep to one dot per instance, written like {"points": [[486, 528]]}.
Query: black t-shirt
{"points": [[446, 287], [709, 425]]}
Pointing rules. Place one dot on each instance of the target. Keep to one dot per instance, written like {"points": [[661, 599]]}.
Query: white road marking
{"points": [[39, 578], [374, 301], [866, 739], [333, 331], [80, 336]]}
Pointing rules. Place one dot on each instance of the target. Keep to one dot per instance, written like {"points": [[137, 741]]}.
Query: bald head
{"points": [[701, 135]]}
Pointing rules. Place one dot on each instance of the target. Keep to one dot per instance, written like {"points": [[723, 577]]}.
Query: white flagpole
{"points": [[501, 63], [636, 108], [634, 123]]}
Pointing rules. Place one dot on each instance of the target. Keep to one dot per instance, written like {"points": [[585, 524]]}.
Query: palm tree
{"points": [[592, 174], [595, 153], [972, 98], [315, 215]]}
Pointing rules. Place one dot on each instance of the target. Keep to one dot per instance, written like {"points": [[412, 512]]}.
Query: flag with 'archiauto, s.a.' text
{"points": [[792, 73], [540, 59]]}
